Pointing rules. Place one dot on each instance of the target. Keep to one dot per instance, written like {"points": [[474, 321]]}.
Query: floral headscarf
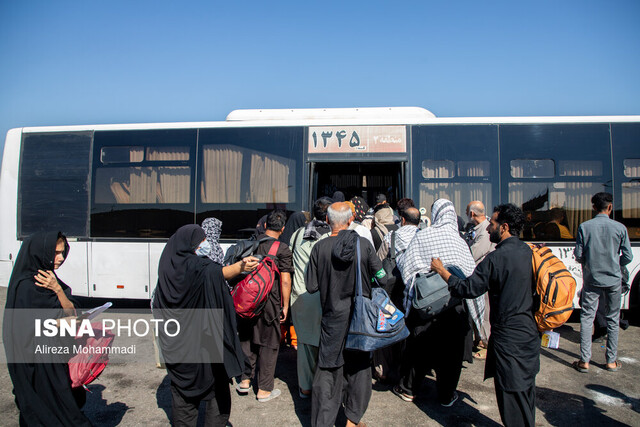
{"points": [[213, 228]]}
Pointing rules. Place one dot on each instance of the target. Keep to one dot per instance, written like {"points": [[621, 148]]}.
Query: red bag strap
{"points": [[272, 252], [274, 248]]}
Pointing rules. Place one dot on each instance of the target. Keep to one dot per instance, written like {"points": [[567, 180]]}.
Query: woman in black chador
{"points": [[43, 390], [188, 280]]}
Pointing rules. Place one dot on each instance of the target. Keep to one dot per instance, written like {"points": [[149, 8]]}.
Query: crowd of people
{"points": [[491, 315]]}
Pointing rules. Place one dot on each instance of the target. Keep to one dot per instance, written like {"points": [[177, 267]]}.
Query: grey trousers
{"points": [[307, 361], [610, 298]]}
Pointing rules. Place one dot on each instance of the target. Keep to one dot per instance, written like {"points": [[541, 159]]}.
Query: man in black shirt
{"points": [[513, 356], [260, 336], [332, 272]]}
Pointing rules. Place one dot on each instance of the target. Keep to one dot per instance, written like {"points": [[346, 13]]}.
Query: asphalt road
{"points": [[137, 393]]}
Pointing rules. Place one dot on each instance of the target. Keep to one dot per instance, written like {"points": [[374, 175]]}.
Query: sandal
{"points": [[243, 390], [615, 368], [274, 393], [579, 366], [480, 354]]}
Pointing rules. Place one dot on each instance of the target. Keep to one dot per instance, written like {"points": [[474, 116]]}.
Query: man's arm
{"points": [[471, 287], [376, 270], [285, 282], [625, 247]]}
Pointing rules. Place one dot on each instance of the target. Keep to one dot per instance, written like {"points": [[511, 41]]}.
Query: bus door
{"points": [[364, 179], [360, 161]]}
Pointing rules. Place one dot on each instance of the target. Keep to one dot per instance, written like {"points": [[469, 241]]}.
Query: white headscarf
{"points": [[441, 240]]}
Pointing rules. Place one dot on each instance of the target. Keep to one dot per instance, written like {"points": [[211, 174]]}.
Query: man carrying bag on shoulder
{"points": [[332, 272]]}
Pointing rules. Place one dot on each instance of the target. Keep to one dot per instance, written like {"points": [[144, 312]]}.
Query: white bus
{"points": [[119, 191]]}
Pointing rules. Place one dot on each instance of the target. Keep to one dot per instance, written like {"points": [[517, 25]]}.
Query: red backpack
{"points": [[92, 358], [251, 293]]}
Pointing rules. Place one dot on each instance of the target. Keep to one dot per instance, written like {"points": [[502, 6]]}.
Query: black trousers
{"points": [[517, 408], [349, 384], [218, 405], [439, 346]]}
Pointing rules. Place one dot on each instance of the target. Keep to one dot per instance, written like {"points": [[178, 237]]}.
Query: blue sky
{"points": [[117, 61]]}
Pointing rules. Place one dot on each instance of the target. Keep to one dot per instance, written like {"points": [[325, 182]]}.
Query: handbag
{"points": [[375, 323], [431, 294]]}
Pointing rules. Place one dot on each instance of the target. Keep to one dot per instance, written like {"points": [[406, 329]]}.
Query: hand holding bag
{"points": [[375, 323]]}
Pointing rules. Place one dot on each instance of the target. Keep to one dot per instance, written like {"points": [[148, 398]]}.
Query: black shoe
{"points": [[453, 400]]}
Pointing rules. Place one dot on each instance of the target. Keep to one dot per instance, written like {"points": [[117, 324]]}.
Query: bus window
{"points": [[438, 169], [157, 184], [271, 177], [532, 168], [474, 168], [459, 163], [143, 185], [110, 155], [631, 190], [459, 193], [244, 173], [142, 182], [554, 172], [53, 183], [626, 166]]}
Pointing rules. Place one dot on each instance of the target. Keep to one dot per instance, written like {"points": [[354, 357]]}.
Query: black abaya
{"points": [[186, 281], [43, 390]]}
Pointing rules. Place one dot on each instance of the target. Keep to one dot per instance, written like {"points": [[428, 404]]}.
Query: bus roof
{"points": [[382, 113], [337, 117]]}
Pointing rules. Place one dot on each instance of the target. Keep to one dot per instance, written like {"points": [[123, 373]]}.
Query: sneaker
{"points": [[401, 394], [453, 400]]}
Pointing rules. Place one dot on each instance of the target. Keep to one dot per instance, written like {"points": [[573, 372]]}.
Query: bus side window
{"points": [[631, 190], [458, 163], [551, 172], [142, 182], [53, 183]]}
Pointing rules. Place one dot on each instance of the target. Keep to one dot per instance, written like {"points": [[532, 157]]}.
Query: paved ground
{"points": [[138, 394]]}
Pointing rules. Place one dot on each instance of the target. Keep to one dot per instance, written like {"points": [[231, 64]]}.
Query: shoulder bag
{"points": [[375, 323]]}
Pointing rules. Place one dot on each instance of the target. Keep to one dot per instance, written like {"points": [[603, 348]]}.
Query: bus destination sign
{"points": [[354, 139]]}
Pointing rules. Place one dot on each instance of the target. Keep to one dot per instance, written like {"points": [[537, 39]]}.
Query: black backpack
{"points": [[242, 249], [395, 285]]}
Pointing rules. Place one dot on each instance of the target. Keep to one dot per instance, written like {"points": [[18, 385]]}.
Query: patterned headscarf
{"points": [[361, 208], [213, 228], [441, 240]]}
